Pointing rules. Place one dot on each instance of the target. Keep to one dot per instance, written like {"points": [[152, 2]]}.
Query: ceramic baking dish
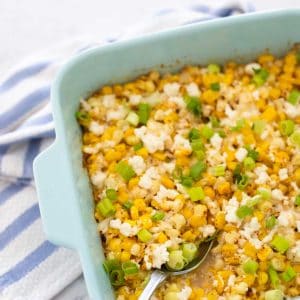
{"points": [[62, 184]]}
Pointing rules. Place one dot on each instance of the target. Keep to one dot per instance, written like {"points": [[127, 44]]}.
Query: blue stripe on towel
{"points": [[38, 121], [32, 151], [24, 106], [18, 225], [30, 262], [10, 190], [22, 74]]}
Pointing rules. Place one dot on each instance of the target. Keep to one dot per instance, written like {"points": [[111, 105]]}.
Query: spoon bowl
{"points": [[159, 276]]}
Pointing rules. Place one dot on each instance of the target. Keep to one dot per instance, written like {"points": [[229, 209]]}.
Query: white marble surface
{"points": [[28, 26]]}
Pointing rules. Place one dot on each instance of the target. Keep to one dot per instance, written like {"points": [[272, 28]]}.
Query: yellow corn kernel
{"points": [[134, 213], [297, 175], [259, 215], [182, 161], [172, 117], [133, 297], [228, 78], [220, 283], [238, 195], [197, 221], [212, 295], [264, 253], [249, 279], [114, 244], [228, 249], [198, 292], [220, 220], [123, 291], [121, 148], [229, 227], [127, 244], [140, 204], [265, 58], [142, 152], [225, 274], [245, 79], [108, 133], [209, 192], [209, 96], [146, 221], [129, 132], [296, 267], [224, 188], [123, 196], [133, 182], [269, 114], [112, 155], [250, 250], [117, 89], [231, 165], [106, 90], [167, 182], [161, 238], [112, 167], [261, 103], [189, 236], [187, 212], [262, 278], [159, 155], [274, 93], [125, 256], [232, 260]]}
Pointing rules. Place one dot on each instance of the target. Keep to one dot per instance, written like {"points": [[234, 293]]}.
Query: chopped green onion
{"points": [[289, 274], [219, 170], [221, 133], [105, 207], [82, 116], [264, 193], [138, 146], [197, 145], [196, 193], [197, 169], [239, 125], [213, 68], [200, 154], [207, 132], [273, 277], [111, 264], [133, 119], [286, 127], [194, 134], [158, 216], [274, 295], [189, 251], [249, 163], [254, 200], [130, 268], [244, 211], [117, 277], [252, 153], [144, 235], [280, 244], [260, 76], [193, 104], [242, 181], [176, 260], [259, 126], [125, 170], [144, 113], [250, 266], [177, 173], [111, 194], [271, 222], [127, 205], [297, 200], [214, 122], [186, 181], [294, 97], [295, 138], [215, 86]]}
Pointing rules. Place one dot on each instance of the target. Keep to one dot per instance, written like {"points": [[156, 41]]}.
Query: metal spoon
{"points": [[158, 276]]}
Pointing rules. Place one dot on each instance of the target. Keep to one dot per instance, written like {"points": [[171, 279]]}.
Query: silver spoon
{"points": [[158, 276]]}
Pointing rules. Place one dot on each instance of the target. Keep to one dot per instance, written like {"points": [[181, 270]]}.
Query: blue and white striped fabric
{"points": [[31, 268]]}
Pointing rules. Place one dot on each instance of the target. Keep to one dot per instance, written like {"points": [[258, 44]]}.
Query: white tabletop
{"points": [[28, 26]]}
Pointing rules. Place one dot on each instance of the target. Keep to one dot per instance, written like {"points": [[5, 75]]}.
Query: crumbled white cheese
{"points": [[147, 179], [249, 232], [207, 230], [135, 99], [298, 225], [98, 179], [118, 114], [160, 255], [231, 209], [231, 280], [178, 100], [294, 253], [169, 167], [109, 101], [249, 68], [192, 89], [125, 228], [180, 143], [277, 194], [165, 193], [96, 128], [216, 141], [230, 113], [241, 288], [137, 163], [291, 110], [103, 225], [135, 249], [262, 175], [286, 218], [240, 154], [185, 293], [283, 174], [171, 89]]}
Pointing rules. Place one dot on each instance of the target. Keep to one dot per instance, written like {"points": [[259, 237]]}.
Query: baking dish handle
{"points": [[54, 196]]}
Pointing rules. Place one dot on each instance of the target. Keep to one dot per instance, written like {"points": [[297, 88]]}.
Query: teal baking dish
{"points": [[62, 184]]}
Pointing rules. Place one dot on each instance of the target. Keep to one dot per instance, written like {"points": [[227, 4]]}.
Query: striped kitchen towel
{"points": [[32, 268]]}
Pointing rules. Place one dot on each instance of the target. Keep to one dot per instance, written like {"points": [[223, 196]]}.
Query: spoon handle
{"points": [[156, 278]]}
